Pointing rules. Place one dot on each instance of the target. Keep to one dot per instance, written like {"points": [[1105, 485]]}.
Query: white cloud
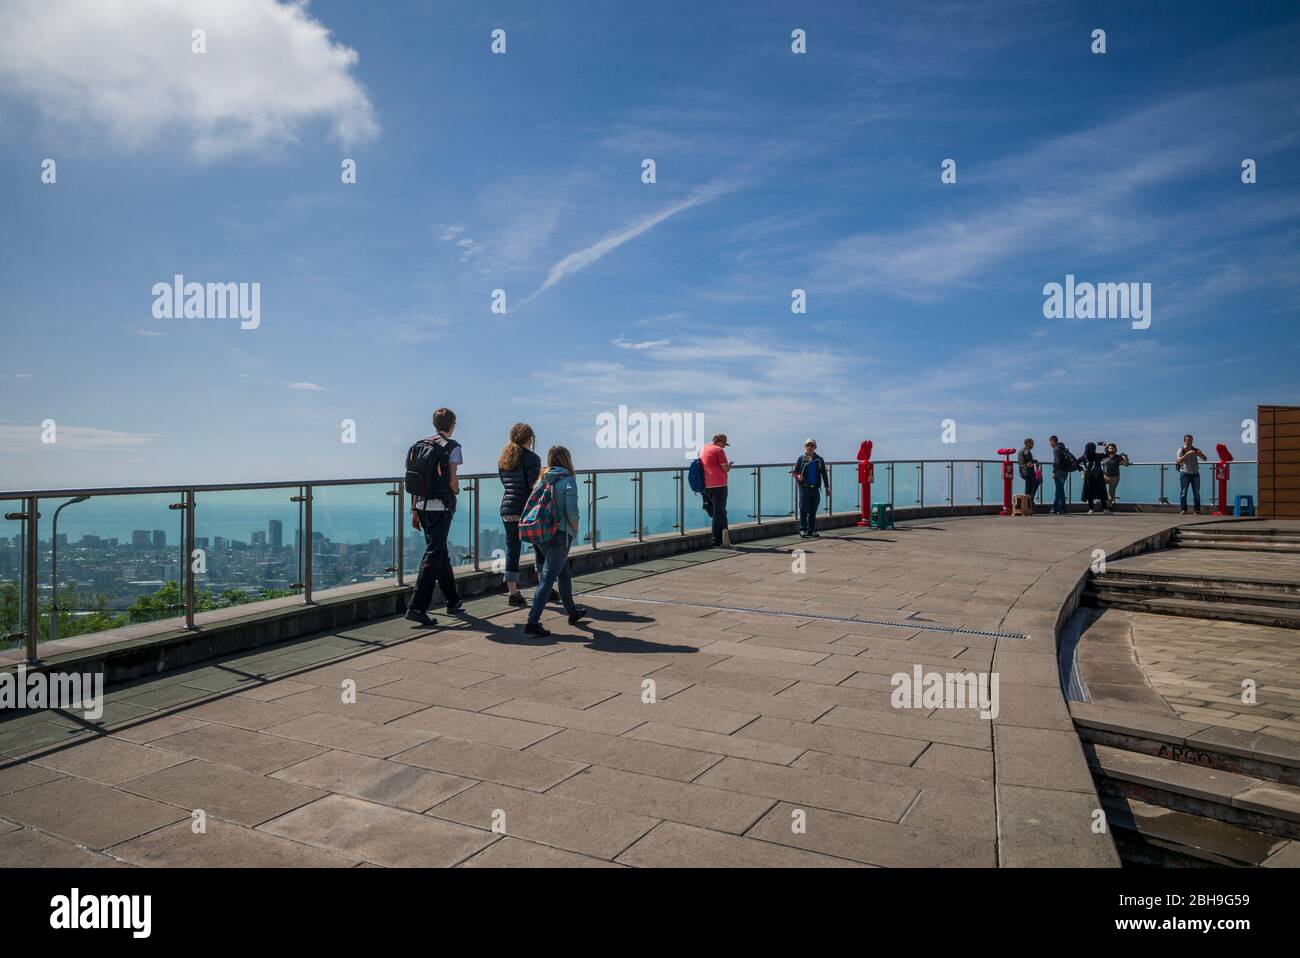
{"points": [[80, 438], [127, 70], [580, 259], [307, 387]]}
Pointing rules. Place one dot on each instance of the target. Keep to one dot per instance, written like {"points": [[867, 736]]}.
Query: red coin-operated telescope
{"points": [[866, 473], [1008, 473], [1221, 469]]}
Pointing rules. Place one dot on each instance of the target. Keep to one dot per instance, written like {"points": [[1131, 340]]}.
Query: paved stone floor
{"points": [[1197, 666], [770, 739]]}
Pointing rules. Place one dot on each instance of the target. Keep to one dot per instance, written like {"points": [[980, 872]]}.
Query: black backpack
{"points": [[427, 472], [1068, 459]]}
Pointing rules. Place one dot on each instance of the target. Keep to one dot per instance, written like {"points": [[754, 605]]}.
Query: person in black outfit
{"points": [[433, 517], [1094, 479], [518, 468]]}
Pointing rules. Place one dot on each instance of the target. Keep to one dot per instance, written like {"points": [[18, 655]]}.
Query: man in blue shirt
{"points": [[810, 477]]}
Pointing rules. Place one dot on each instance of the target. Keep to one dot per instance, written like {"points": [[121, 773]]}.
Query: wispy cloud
{"points": [[579, 260]]}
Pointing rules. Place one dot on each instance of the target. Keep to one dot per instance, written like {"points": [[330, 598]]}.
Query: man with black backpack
{"points": [[1063, 463], [431, 466]]}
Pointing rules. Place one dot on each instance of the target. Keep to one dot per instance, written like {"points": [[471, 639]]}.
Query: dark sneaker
{"points": [[579, 612], [814, 535], [454, 607], [535, 628], [415, 615], [555, 596], [517, 600], [1182, 512]]}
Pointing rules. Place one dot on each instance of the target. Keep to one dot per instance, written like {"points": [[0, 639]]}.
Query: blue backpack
{"points": [[695, 476]]}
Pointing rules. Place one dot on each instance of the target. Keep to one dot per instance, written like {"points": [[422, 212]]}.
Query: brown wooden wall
{"points": [[1279, 461]]}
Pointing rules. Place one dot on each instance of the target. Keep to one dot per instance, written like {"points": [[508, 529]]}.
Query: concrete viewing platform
{"points": [[717, 708]]}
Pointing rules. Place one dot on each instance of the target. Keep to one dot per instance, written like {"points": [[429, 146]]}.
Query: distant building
{"points": [[140, 538], [275, 532], [159, 539]]}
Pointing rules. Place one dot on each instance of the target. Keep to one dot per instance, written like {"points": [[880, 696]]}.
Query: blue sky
{"points": [[522, 172]]}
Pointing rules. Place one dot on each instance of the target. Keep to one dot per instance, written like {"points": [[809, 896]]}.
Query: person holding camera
{"points": [[1189, 474]]}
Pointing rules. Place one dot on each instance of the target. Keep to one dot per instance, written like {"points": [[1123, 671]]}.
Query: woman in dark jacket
{"points": [[1094, 480], [518, 468]]}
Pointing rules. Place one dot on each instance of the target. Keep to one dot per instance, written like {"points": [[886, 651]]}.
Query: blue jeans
{"points": [[1186, 479], [513, 548], [555, 568], [1058, 504], [809, 499]]}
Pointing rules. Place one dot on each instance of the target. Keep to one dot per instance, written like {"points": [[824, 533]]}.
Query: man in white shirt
{"points": [[433, 517], [1189, 474]]}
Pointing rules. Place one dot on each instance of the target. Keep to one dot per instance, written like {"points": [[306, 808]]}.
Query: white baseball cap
{"points": [[810, 441]]}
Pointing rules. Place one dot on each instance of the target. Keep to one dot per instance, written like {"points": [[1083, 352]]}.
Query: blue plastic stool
{"points": [[1244, 510]]}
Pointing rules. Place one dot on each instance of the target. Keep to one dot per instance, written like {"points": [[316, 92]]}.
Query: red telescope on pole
{"points": [[1008, 472], [866, 472], [1221, 470]]}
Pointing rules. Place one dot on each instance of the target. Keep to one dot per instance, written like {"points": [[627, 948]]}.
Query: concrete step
{"points": [[1192, 580], [1205, 590], [1147, 834], [1241, 542], [1227, 611], [1255, 804], [1236, 530], [1252, 754]]}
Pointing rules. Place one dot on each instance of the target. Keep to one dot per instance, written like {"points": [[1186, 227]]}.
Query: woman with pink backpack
{"points": [[550, 523]]}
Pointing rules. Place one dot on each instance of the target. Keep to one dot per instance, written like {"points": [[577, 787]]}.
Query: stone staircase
{"points": [[1179, 794], [1251, 599], [1238, 536]]}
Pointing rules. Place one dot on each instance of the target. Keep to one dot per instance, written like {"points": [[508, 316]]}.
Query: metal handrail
{"points": [[378, 480], [303, 490]]}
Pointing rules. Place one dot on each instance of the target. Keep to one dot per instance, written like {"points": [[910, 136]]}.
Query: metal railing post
{"points": [[891, 480], [595, 529], [33, 626], [307, 545], [979, 470], [758, 495], [639, 479], [920, 484], [188, 554], [399, 531], [950, 483], [830, 490], [681, 501], [474, 518]]}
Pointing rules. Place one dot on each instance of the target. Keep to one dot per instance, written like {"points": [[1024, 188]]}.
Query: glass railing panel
{"points": [[353, 535], [248, 544], [118, 561], [460, 537], [777, 488], [13, 558], [1243, 480], [742, 504], [880, 487], [616, 506], [907, 485], [845, 487], [965, 483], [1138, 483], [936, 483], [491, 531], [659, 501], [993, 482]]}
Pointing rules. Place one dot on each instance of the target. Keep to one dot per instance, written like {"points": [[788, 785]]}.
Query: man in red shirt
{"points": [[716, 466]]}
